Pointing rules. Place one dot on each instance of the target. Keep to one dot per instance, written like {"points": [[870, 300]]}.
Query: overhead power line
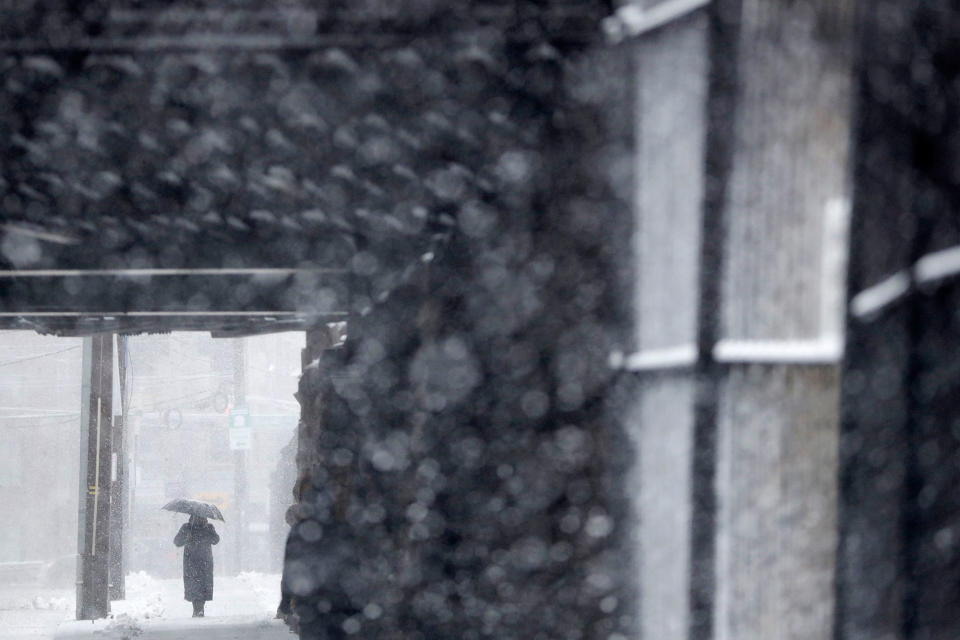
{"points": [[37, 357]]}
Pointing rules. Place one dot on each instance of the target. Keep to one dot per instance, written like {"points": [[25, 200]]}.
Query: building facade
{"points": [[40, 417]]}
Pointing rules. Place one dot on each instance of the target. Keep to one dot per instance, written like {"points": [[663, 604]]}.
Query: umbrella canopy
{"points": [[194, 508]]}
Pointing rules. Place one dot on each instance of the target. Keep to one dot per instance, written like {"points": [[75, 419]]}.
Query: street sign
{"points": [[240, 438], [241, 435], [242, 424], [239, 417]]}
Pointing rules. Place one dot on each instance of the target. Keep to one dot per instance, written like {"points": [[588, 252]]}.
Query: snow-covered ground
{"points": [[246, 594], [243, 607], [27, 612]]}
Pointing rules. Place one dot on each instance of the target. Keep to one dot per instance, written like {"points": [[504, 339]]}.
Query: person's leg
{"points": [[198, 608]]}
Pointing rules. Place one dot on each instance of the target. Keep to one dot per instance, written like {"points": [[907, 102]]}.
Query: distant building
{"points": [[182, 394], [39, 459], [178, 440]]}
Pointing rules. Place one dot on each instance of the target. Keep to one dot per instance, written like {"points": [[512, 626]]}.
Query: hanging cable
{"points": [[37, 357]]}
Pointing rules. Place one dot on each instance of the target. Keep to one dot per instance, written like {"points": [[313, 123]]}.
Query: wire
{"points": [[42, 355], [39, 416], [72, 420], [193, 376], [40, 385], [46, 412], [168, 401]]}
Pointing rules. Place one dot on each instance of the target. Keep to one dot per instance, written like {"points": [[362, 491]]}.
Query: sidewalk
{"points": [[225, 628], [33, 611], [243, 607]]}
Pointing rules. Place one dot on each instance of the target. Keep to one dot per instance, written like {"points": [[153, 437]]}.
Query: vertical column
{"points": [[94, 538], [240, 456], [779, 344], [723, 52], [118, 477], [672, 65], [751, 410], [118, 510]]}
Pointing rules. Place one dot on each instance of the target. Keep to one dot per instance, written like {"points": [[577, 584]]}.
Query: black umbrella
{"points": [[194, 508]]}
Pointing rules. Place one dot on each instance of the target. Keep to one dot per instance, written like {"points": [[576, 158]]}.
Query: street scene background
{"points": [[182, 388]]}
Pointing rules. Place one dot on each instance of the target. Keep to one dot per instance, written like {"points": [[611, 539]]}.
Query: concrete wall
{"points": [[670, 134], [776, 478], [671, 82], [40, 429], [662, 434], [788, 190], [756, 210]]}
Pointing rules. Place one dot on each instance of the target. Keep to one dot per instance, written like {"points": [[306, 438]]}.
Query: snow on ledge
{"points": [[826, 350], [873, 299], [938, 265], [684, 355], [930, 269], [632, 19]]}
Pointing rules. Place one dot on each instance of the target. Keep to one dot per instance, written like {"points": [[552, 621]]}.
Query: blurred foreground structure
{"points": [[739, 317], [600, 378]]}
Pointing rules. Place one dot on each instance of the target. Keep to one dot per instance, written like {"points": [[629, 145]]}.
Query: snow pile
{"points": [[123, 627], [140, 582], [264, 585], [144, 597], [152, 607], [51, 603]]}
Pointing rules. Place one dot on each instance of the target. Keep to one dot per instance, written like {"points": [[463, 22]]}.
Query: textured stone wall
{"points": [[40, 24], [466, 170], [459, 447]]}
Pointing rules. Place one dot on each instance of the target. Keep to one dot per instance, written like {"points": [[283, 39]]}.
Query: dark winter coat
{"points": [[197, 560]]}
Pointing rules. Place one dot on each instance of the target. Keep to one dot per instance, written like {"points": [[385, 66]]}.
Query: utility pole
{"points": [[240, 456], [93, 541], [118, 510], [118, 477]]}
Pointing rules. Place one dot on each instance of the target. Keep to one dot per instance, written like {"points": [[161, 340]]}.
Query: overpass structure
{"points": [[260, 169]]}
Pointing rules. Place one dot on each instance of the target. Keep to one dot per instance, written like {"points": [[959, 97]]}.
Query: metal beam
{"points": [[151, 272], [108, 315]]}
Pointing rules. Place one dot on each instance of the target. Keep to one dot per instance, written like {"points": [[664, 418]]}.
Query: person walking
{"points": [[197, 537]]}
